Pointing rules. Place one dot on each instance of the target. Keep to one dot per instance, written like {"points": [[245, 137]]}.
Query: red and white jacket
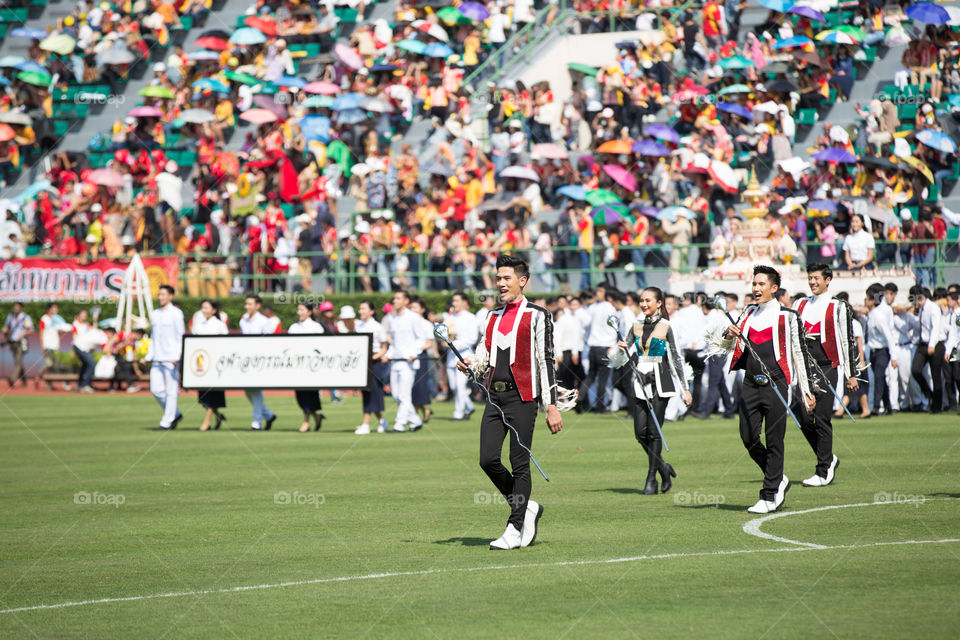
{"points": [[829, 320], [787, 335], [531, 352]]}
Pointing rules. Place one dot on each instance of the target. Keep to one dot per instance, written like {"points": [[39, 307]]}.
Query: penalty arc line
{"points": [[425, 572]]}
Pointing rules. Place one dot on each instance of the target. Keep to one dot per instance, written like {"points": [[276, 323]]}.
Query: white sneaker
{"points": [[509, 540], [416, 426], [781, 492], [362, 430], [86, 389], [832, 470], [382, 425], [815, 481], [399, 428], [530, 520], [133, 388], [762, 506]]}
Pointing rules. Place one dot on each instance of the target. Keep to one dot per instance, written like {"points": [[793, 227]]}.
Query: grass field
{"points": [[285, 535]]}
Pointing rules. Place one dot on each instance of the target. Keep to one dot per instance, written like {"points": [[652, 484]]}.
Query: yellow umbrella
{"points": [[919, 166], [60, 43]]}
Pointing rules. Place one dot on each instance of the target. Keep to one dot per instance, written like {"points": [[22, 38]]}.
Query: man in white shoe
{"points": [[464, 332], [406, 344], [254, 323], [828, 327], [166, 348], [515, 361], [775, 336]]}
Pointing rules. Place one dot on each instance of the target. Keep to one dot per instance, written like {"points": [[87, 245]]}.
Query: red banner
{"points": [[66, 279]]}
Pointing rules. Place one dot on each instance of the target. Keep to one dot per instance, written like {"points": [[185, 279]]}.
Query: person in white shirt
{"points": [[951, 352], [423, 381], [858, 246], [210, 324], [405, 346], [166, 348], [881, 341], [52, 325], [16, 328], [254, 323], [930, 348], [373, 399], [568, 341], [308, 399], [601, 338], [85, 338], [717, 391], [465, 333], [689, 325], [489, 301]]}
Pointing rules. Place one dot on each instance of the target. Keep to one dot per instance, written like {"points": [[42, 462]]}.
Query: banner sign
{"points": [[339, 361], [28, 279]]}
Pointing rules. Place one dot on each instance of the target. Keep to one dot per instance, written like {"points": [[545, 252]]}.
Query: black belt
{"points": [[501, 386], [760, 380]]}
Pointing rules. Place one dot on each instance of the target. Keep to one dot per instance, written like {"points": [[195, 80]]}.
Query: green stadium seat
{"points": [[807, 117]]}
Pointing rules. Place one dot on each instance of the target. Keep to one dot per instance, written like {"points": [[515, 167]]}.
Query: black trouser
{"points": [[954, 389], [717, 387], [569, 375], [599, 373], [623, 382], [759, 405], [514, 487], [920, 358], [646, 432], [698, 364], [818, 426], [879, 361]]}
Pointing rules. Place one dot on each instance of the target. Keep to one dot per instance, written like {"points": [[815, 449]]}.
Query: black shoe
{"points": [[666, 472], [727, 416], [176, 421], [162, 428], [700, 416], [650, 489], [270, 422], [319, 424], [220, 420]]}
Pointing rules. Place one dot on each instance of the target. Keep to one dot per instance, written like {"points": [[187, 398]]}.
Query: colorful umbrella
{"points": [[348, 56], [264, 25], [35, 78], [216, 44], [821, 208], [836, 36], [452, 16], [245, 36], [209, 84], [928, 13], [919, 166], [807, 12], [347, 101], [777, 5], [937, 140], [203, 55], [259, 116], [662, 132], [573, 191], [735, 109], [834, 154], [315, 128], [793, 41], [724, 175], [146, 111], [650, 148], [242, 78], [736, 62], [11, 61], [597, 197], [550, 151], [105, 178], [621, 176], [615, 146], [522, 173], [157, 91], [609, 214], [323, 88], [431, 29], [59, 43], [474, 11], [412, 46]]}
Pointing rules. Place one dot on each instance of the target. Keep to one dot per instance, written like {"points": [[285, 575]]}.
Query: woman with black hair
{"points": [[652, 345], [423, 387], [308, 399], [208, 323]]}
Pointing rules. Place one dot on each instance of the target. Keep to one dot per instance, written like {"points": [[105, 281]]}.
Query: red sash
{"points": [[523, 361]]}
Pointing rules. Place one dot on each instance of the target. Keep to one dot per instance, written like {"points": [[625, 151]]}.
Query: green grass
{"points": [[199, 515]]}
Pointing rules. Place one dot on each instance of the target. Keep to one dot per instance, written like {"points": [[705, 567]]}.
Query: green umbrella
{"points": [[339, 153], [602, 196], [452, 15], [157, 91], [736, 62], [242, 78], [318, 101], [413, 46], [583, 68], [60, 43], [35, 78], [735, 88], [857, 33]]}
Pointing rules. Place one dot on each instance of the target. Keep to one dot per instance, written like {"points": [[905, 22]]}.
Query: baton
{"points": [[442, 333], [829, 386], [614, 324], [720, 302]]}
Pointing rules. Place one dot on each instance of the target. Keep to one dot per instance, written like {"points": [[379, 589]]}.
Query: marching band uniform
{"points": [[932, 333], [776, 337], [828, 324], [664, 377], [515, 360]]}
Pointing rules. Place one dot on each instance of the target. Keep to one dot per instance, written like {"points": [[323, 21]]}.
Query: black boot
{"points": [[666, 470], [653, 460]]}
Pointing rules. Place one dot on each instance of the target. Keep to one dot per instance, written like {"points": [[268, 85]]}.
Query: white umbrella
{"points": [[523, 173], [197, 116], [724, 175], [769, 106]]}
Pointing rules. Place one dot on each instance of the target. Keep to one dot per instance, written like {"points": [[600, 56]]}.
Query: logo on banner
{"points": [[200, 362]]}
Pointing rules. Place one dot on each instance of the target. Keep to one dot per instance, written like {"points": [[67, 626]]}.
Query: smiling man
{"points": [[515, 360], [775, 336]]}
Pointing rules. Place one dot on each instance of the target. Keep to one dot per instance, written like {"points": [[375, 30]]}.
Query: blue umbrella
{"points": [[203, 54], [834, 154], [247, 36], [928, 13], [822, 205], [777, 5], [209, 84], [30, 65], [351, 116], [315, 128], [736, 109], [11, 61], [33, 34], [383, 67], [649, 148], [318, 101], [4, 81], [32, 191], [662, 132], [412, 46], [438, 50], [792, 41], [672, 213], [347, 101], [937, 140], [573, 191], [290, 81]]}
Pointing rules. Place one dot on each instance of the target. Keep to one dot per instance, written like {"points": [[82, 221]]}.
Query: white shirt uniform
{"points": [[567, 334], [689, 327], [465, 332], [931, 319], [601, 335], [858, 244], [166, 334], [308, 326], [374, 328], [952, 318], [212, 326], [880, 328], [257, 324], [406, 333], [51, 326]]}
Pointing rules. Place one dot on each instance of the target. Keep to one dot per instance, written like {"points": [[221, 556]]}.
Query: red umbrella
{"points": [[259, 116], [621, 176], [6, 133], [264, 25], [323, 88], [724, 176], [214, 44]]}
